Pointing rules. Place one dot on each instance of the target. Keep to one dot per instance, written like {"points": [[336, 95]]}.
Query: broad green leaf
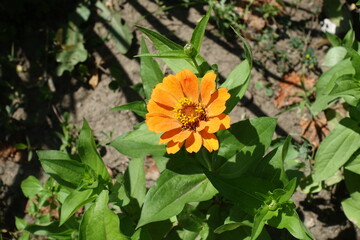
{"points": [[326, 83], [288, 218], [336, 149], [136, 179], [271, 167], [31, 186], [333, 39], [171, 192], [75, 200], [191, 219], [242, 190], [120, 32], [354, 163], [139, 143], [351, 208], [150, 71], [99, 222], [119, 193], [51, 229], [88, 153], [260, 219], [198, 34], [334, 55], [62, 168], [243, 145], [345, 88], [237, 83], [73, 50], [138, 107]]}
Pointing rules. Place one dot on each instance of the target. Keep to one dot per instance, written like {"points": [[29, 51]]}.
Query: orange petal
{"points": [[160, 124], [169, 135], [173, 147], [182, 136], [162, 96], [217, 102], [207, 87], [189, 83], [194, 142], [202, 125], [210, 141], [213, 125], [154, 107], [225, 121], [218, 123], [172, 85]]}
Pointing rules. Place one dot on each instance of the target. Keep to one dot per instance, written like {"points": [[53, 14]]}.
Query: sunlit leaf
{"points": [[138, 107]]}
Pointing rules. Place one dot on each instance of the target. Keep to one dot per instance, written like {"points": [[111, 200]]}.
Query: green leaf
{"points": [[351, 208], [136, 179], [73, 50], [333, 39], [88, 153], [138, 107], [163, 44], [62, 168], [345, 88], [243, 145], [51, 229], [198, 33], [239, 79], [99, 222], [334, 55], [352, 181], [171, 192], [260, 219], [349, 38], [175, 54], [20, 146], [75, 200], [271, 167], [288, 218], [150, 71], [241, 190], [336, 149], [31, 186], [139, 143], [237, 83], [120, 33], [326, 83], [354, 163]]}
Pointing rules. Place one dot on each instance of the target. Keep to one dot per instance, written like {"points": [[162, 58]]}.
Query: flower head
{"points": [[188, 113]]}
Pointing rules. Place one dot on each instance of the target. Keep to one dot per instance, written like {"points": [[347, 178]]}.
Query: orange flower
{"points": [[188, 113]]}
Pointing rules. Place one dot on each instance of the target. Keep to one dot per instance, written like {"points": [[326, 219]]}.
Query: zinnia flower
{"points": [[187, 113]]}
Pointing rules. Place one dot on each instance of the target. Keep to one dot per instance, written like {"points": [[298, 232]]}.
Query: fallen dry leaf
{"points": [[94, 80], [315, 130], [290, 89], [255, 22]]}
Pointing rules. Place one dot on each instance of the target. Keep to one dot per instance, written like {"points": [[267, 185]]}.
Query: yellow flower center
{"points": [[189, 113]]}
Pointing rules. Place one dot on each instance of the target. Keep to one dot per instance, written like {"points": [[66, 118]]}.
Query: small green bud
{"points": [[190, 50], [272, 205]]}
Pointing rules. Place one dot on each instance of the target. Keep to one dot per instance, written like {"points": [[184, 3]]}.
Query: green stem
{"points": [[197, 67]]}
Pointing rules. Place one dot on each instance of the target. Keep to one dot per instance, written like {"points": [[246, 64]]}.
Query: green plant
{"points": [[231, 193], [340, 149]]}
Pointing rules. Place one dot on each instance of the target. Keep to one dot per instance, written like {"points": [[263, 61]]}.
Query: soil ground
{"points": [[321, 214]]}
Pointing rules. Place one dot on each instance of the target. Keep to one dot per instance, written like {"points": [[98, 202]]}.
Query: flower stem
{"points": [[197, 67]]}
